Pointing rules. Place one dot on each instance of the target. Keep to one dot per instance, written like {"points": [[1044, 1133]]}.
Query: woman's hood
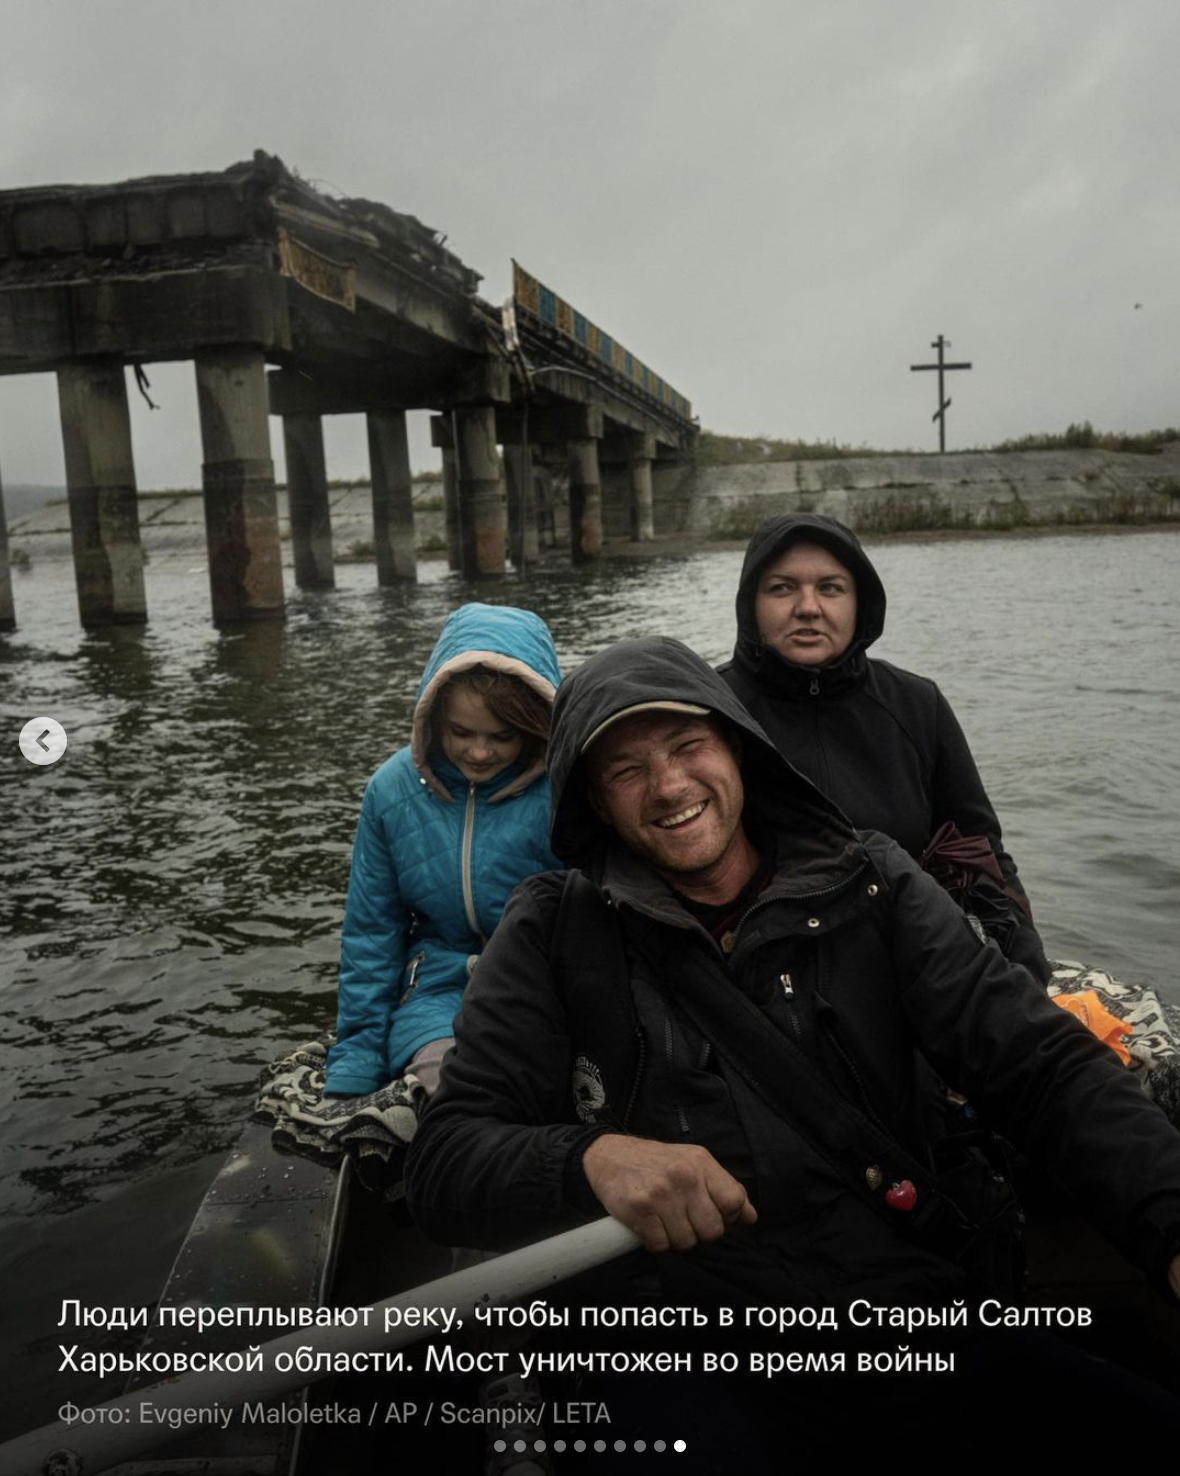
{"points": [[500, 637], [770, 542], [650, 671]]}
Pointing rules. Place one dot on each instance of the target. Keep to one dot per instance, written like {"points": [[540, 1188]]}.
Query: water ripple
{"points": [[172, 890]]}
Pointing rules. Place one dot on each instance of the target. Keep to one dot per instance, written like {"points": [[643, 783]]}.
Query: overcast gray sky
{"points": [[778, 204]]}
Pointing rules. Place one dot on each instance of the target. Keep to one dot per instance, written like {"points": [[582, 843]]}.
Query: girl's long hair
{"points": [[510, 700]]}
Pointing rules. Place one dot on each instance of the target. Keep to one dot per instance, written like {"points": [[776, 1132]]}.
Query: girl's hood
{"points": [[500, 637]]}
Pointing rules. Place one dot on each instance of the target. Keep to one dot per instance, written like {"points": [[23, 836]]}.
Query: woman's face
{"points": [[473, 737], [806, 606]]}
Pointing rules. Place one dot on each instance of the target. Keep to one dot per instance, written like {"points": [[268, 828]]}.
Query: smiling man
{"points": [[729, 1028], [670, 788]]}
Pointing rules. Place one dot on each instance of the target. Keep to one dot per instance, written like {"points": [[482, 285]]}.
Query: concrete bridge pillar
{"points": [[482, 511], [100, 479], [442, 436], [241, 520], [393, 497], [307, 501], [585, 501], [523, 543], [546, 494], [7, 608], [641, 452], [450, 484]]}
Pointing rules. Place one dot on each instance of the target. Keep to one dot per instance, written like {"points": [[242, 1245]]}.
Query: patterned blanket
{"points": [[373, 1131], [1153, 1028]]}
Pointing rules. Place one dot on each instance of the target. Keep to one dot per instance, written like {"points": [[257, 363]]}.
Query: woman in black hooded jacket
{"points": [[882, 742]]}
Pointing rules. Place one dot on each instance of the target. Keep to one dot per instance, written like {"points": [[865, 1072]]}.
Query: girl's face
{"points": [[473, 737]]}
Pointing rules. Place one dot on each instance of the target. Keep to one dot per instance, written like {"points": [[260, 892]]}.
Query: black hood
{"points": [[771, 540], [656, 669]]}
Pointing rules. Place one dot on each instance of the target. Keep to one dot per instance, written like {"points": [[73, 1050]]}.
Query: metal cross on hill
{"points": [[940, 343]]}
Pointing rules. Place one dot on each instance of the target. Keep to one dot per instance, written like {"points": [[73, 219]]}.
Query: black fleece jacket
{"points": [[883, 742], [575, 1028]]}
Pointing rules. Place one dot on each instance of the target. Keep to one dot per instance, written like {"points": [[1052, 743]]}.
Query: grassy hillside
{"points": [[718, 450]]}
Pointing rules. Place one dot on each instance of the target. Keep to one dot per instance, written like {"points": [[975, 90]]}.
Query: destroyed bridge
{"points": [[295, 304]]}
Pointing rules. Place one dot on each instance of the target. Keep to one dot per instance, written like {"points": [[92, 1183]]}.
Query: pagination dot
{"points": [[599, 1445]]}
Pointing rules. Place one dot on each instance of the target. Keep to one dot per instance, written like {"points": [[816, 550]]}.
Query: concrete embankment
{"points": [[173, 523], [904, 494]]}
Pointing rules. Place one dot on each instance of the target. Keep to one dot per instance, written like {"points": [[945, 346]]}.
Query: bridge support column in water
{"points": [[307, 502], [241, 520], [482, 511], [641, 452], [523, 544], [450, 484], [585, 501], [442, 437], [544, 495], [393, 496], [7, 609], [100, 478]]}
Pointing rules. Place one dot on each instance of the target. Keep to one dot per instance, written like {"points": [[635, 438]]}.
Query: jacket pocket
{"points": [[842, 1058]]}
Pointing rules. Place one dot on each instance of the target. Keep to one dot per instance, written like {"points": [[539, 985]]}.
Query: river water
{"points": [[172, 888]]}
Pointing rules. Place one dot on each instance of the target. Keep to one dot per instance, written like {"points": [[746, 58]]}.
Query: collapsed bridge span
{"points": [[293, 303]]}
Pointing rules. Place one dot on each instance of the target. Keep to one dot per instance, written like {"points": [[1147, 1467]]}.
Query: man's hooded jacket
{"points": [[883, 742], [582, 1019]]}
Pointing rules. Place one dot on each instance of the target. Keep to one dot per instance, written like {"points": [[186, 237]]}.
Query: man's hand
{"points": [[671, 1195]]}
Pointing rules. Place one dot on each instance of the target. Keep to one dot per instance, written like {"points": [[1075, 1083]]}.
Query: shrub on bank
{"points": [[713, 449]]}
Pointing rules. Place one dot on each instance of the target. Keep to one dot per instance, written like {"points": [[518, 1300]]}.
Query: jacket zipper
{"points": [[640, 1066], [824, 776], [788, 988], [415, 963], [468, 834], [789, 1009], [681, 1118]]}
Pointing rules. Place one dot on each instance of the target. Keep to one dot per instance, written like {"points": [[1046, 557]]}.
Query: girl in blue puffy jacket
{"points": [[448, 828]]}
